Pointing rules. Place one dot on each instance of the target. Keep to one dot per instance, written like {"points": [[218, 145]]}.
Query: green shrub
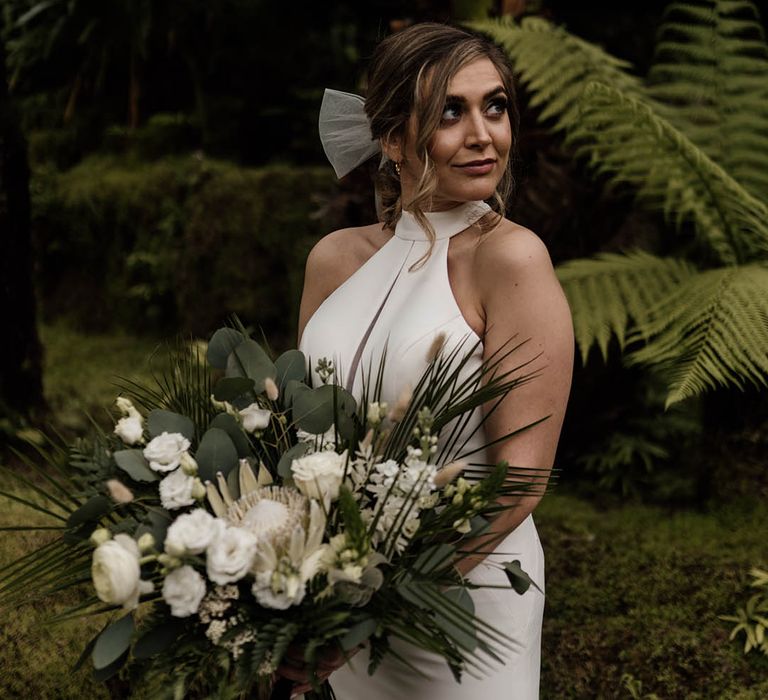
{"points": [[175, 244]]}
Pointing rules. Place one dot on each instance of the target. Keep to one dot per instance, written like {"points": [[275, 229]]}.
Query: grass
{"points": [[630, 590]]}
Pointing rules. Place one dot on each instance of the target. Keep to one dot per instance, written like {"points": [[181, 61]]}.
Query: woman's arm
{"points": [[522, 300]]}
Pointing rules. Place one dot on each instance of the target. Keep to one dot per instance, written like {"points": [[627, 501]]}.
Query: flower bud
{"points": [[146, 542], [188, 464], [463, 526], [198, 490], [448, 473], [168, 561], [100, 536]]}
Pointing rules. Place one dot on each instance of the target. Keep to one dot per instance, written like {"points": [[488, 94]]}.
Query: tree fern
{"points": [[711, 67], [613, 291], [713, 330], [692, 141], [555, 66], [624, 138]]}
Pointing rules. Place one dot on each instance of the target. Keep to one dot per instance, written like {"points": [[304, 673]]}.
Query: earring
{"points": [[397, 168]]}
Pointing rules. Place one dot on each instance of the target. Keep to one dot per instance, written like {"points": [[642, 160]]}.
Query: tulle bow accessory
{"points": [[345, 131]]}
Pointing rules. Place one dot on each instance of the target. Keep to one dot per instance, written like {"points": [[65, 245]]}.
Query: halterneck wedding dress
{"points": [[387, 304]]}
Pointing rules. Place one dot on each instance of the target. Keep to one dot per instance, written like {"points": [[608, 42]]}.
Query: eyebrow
{"points": [[487, 96]]}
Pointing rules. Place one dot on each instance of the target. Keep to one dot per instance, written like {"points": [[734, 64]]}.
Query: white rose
{"points": [[130, 429], [183, 589], [116, 572], [176, 490], [319, 475], [165, 451], [230, 555], [191, 533], [254, 418]]}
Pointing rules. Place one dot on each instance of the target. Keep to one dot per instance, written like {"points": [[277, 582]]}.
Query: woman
{"points": [[445, 264]]}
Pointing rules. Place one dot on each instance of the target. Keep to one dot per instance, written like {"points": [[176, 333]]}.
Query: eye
{"points": [[497, 107], [451, 112]]}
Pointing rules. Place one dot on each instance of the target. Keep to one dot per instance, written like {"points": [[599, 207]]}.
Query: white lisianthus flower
{"points": [[191, 533], [254, 418], [230, 555], [177, 490], [164, 452], [183, 589], [130, 429], [116, 572], [126, 407], [319, 475]]}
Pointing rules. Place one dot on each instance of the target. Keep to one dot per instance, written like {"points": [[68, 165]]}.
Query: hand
{"points": [[295, 669]]}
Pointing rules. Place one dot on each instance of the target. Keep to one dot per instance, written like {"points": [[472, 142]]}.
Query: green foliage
{"points": [[179, 242], [641, 586], [691, 143], [752, 618]]}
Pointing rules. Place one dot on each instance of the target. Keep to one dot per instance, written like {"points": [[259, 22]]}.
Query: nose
{"points": [[477, 131]]}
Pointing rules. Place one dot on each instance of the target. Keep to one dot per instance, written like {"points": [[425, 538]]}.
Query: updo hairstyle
{"points": [[409, 74]]}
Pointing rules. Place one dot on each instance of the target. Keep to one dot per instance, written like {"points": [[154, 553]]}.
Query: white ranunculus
{"points": [[116, 572], [254, 417], [319, 475], [176, 490], [191, 533], [183, 589], [130, 429], [164, 452], [230, 555]]}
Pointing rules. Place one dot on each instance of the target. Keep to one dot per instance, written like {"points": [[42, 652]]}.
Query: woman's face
{"points": [[470, 148]]}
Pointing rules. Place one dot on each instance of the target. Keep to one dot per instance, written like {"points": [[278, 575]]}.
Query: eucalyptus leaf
{"points": [[88, 650], [315, 410], [291, 365], [458, 631], [284, 465], [103, 674], [232, 428], [249, 360], [216, 453], [292, 388], [160, 421], [221, 344], [435, 558], [518, 579], [157, 640], [113, 642], [231, 388], [133, 463], [358, 633], [91, 511]]}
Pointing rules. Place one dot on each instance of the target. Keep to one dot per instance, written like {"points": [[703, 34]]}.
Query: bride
{"points": [[444, 264]]}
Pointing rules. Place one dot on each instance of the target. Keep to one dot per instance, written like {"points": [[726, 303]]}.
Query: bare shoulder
{"points": [[511, 249], [335, 258]]}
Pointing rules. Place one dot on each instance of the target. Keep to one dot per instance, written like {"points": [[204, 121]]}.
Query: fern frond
{"points": [[711, 68], [713, 330], [610, 292], [629, 142], [555, 66]]}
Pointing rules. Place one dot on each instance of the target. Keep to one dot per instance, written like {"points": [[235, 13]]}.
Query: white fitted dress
{"points": [[387, 305]]}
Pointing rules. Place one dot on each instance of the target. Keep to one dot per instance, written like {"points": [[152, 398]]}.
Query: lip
{"points": [[477, 167]]}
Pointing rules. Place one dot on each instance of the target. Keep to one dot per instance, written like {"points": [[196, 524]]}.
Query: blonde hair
{"points": [[408, 75]]}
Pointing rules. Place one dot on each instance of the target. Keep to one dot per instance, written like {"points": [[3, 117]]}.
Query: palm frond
{"points": [[555, 66], [627, 140], [713, 330], [710, 68], [610, 292]]}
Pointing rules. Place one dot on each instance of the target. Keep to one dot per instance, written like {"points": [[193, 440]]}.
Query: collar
{"points": [[446, 223]]}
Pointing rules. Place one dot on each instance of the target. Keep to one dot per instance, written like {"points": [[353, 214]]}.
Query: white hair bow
{"points": [[345, 131]]}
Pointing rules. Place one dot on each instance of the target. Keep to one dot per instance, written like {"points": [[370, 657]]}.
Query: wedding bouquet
{"points": [[238, 516]]}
